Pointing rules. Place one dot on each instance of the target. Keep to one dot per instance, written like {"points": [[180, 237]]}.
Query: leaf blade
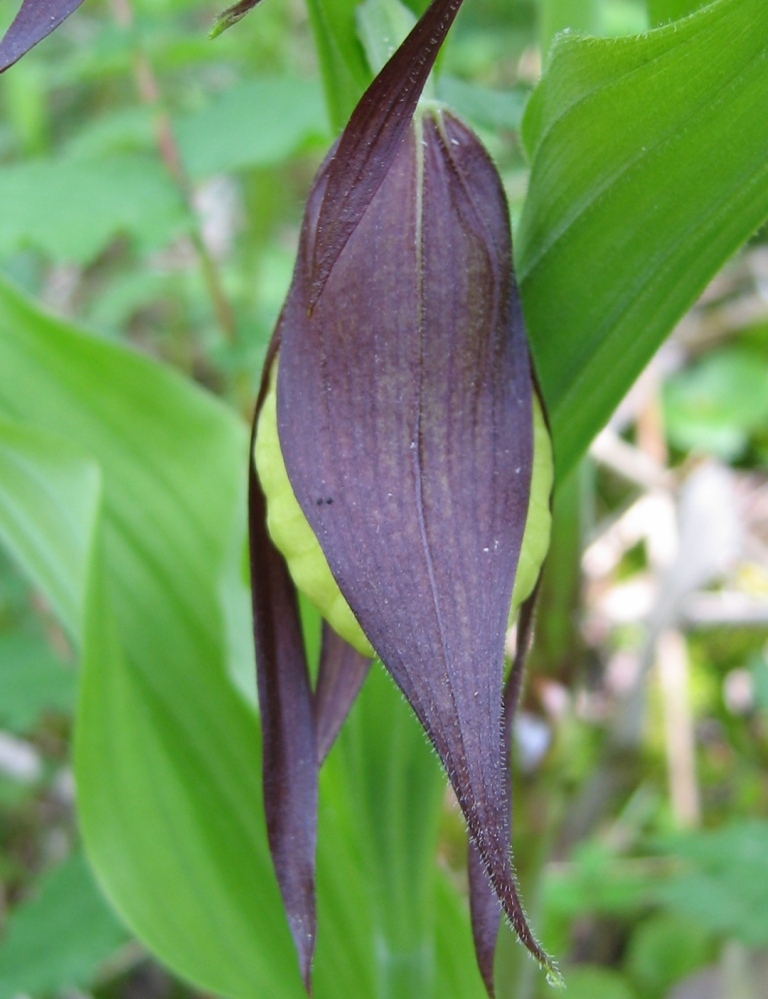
{"points": [[631, 208], [166, 758]]}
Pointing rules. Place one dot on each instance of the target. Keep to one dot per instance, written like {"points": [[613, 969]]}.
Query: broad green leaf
{"points": [[48, 503], [649, 169], [663, 949], [166, 750], [402, 925], [345, 73], [758, 670], [588, 981], [26, 108], [57, 938], [724, 882], [72, 208], [715, 404], [167, 755], [457, 973], [124, 130], [595, 883], [393, 788], [483, 106], [257, 123], [32, 680], [382, 25]]}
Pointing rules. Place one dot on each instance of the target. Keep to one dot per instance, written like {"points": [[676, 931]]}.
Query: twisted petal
{"points": [[287, 722], [483, 901], [340, 676], [298, 726]]}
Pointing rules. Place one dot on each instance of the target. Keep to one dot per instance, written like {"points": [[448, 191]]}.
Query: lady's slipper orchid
{"points": [[404, 402]]}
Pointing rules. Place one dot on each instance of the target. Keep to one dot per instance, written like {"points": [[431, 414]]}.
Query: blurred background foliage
{"points": [[151, 188]]}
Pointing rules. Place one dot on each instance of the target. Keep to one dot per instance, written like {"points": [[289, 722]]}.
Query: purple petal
{"points": [[373, 136], [341, 675], [290, 764], [34, 22], [405, 396], [484, 907], [485, 914]]}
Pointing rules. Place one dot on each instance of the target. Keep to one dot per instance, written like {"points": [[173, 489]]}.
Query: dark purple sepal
{"points": [[372, 137], [485, 910], [34, 22], [485, 916], [405, 398], [341, 674], [290, 765]]}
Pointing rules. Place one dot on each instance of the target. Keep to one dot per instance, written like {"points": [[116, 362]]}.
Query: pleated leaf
{"points": [[649, 164], [130, 538], [105, 458]]}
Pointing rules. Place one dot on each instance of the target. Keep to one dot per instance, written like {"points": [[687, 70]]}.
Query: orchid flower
{"points": [[401, 456], [402, 469]]}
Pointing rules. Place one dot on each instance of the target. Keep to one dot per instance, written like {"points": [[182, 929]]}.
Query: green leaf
{"points": [[56, 940], [714, 405], [481, 105], [456, 973], [595, 883], [345, 73], [758, 670], [663, 949], [386, 780], [121, 496], [26, 106], [649, 169], [48, 502], [32, 680], [588, 981], [72, 208], [127, 130], [382, 26], [392, 925], [257, 123], [724, 883], [166, 751]]}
